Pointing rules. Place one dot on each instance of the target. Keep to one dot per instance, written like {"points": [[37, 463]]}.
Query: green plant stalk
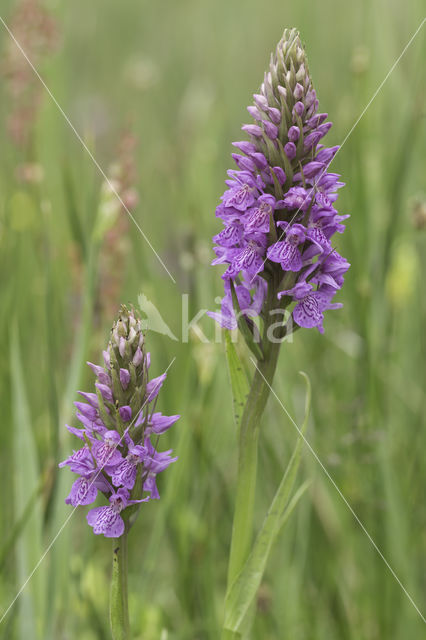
{"points": [[242, 529], [119, 608], [19, 526], [227, 634]]}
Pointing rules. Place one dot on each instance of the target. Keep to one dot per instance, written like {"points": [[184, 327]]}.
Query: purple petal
{"points": [[138, 357], [125, 474], [159, 424], [243, 162], [95, 368], [298, 91], [298, 109], [261, 101], [259, 160], [307, 313], [254, 112], [229, 236], [253, 130], [286, 254], [76, 432], [87, 410], [310, 170], [153, 387], [294, 134], [245, 146], [279, 174], [239, 198], [124, 378], [106, 452], [150, 485], [83, 492], [125, 413], [106, 392], [275, 115], [327, 154], [91, 398], [122, 346], [290, 150], [107, 521], [270, 129]]}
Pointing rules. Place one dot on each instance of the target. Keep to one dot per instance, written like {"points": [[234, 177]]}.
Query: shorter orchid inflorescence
{"points": [[119, 432], [278, 210]]}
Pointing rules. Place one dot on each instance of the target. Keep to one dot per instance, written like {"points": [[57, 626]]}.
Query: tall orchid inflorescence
{"points": [[119, 432], [278, 210]]}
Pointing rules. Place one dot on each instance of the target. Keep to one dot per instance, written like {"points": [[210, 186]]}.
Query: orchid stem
{"points": [[119, 609], [242, 529]]}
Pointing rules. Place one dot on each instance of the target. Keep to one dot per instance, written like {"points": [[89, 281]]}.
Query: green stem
{"points": [[242, 529], [247, 462], [119, 609], [227, 634]]}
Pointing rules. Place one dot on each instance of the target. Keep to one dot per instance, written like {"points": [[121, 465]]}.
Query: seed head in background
{"points": [[278, 210], [37, 31], [112, 224], [119, 432]]}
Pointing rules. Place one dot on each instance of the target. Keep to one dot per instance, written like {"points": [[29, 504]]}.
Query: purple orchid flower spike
{"points": [[278, 209], [117, 458], [281, 268]]}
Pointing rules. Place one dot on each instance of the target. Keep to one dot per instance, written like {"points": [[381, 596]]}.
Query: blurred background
{"points": [[157, 91]]}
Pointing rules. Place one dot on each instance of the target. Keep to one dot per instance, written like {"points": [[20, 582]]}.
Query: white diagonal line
{"points": [[341, 495], [52, 542], [86, 148], [381, 85], [355, 124]]}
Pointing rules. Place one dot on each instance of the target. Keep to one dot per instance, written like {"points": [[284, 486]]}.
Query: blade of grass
{"points": [[58, 585], [29, 546]]}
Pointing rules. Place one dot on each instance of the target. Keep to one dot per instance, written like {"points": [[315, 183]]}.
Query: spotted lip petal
{"points": [[83, 492], [106, 521], [307, 312], [230, 236]]}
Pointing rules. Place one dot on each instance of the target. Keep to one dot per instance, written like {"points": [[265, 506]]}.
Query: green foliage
{"points": [[238, 378], [243, 590], [26, 476]]}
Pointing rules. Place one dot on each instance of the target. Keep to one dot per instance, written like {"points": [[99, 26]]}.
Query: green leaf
{"points": [[71, 209], [23, 212], [246, 326], [118, 610], [59, 577], [239, 383], [29, 546], [244, 589]]}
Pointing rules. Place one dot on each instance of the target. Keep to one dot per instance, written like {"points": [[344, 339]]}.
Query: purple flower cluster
{"points": [[119, 432], [278, 210]]}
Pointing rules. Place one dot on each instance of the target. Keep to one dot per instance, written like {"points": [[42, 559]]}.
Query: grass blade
{"points": [[29, 545]]}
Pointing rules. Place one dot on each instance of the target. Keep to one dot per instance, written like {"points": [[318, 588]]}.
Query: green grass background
{"points": [[181, 73]]}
